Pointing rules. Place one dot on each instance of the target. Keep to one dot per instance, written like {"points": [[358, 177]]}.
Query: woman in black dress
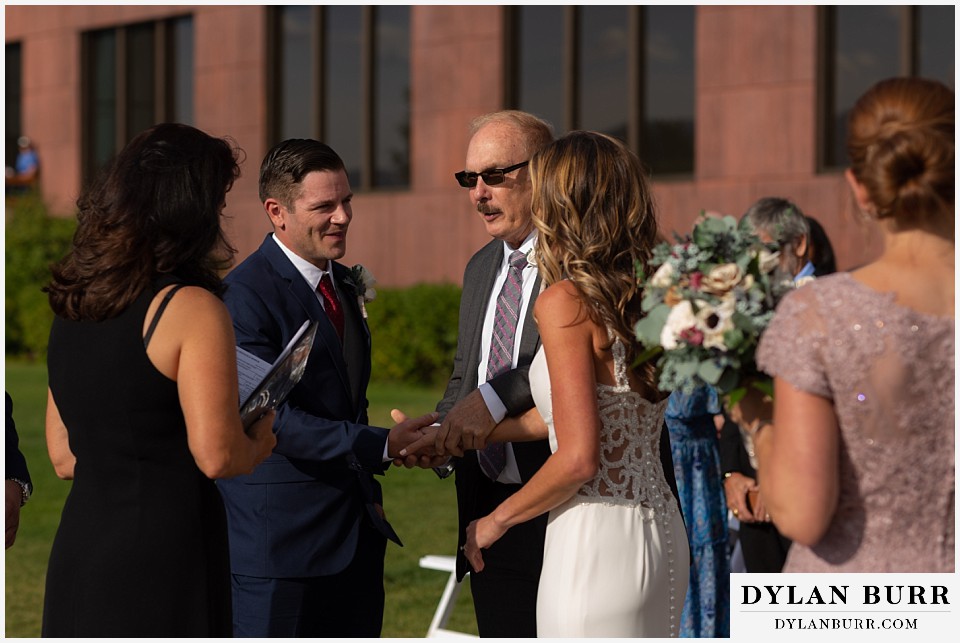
{"points": [[142, 407]]}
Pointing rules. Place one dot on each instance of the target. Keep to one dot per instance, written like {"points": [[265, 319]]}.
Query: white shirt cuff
{"points": [[497, 410]]}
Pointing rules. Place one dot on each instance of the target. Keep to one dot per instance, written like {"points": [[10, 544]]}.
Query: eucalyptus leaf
{"points": [[727, 381], [734, 396], [647, 354], [651, 299], [687, 368], [710, 371], [743, 323], [648, 329], [733, 338], [765, 386]]}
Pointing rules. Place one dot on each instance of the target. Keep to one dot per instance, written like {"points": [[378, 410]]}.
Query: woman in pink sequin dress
{"points": [[858, 465]]}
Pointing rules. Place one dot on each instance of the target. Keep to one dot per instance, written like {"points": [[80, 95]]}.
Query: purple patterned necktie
{"points": [[505, 321]]}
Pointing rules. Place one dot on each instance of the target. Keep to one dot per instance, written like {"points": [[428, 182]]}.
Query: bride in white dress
{"points": [[616, 557]]}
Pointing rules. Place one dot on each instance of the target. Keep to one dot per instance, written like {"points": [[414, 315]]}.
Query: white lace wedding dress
{"points": [[616, 559]]}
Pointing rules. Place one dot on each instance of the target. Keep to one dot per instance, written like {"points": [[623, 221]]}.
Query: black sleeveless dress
{"points": [[141, 550]]}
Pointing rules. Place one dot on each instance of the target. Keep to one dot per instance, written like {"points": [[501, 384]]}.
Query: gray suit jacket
{"points": [[513, 387]]}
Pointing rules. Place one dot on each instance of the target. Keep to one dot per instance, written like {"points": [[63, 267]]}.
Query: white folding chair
{"points": [[438, 626]]}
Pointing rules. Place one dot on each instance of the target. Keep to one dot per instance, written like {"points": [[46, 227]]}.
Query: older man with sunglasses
{"points": [[497, 341]]}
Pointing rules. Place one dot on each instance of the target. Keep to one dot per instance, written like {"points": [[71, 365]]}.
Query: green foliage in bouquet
{"points": [[708, 302]]}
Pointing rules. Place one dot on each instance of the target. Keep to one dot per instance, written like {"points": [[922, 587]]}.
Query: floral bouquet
{"points": [[711, 297]]}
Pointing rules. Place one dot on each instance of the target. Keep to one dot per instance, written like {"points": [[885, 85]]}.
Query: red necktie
{"points": [[331, 303]]}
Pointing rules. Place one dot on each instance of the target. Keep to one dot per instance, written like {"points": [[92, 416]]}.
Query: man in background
{"points": [[26, 169]]}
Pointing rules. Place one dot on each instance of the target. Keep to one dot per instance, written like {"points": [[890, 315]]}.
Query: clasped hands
{"points": [[738, 490], [466, 426]]}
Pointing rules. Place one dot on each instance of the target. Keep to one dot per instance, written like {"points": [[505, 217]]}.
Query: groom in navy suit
{"points": [[307, 528]]}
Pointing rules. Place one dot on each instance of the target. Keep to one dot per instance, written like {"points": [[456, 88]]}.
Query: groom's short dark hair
{"points": [[286, 164]]}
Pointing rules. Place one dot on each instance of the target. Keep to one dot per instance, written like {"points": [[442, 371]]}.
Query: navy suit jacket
{"points": [[299, 513]]}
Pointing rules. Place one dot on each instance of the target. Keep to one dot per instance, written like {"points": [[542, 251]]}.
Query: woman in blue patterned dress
{"points": [[696, 461]]}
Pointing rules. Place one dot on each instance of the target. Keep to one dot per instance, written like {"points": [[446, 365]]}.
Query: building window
{"points": [[627, 71], [134, 76], [861, 45], [343, 77], [12, 119]]}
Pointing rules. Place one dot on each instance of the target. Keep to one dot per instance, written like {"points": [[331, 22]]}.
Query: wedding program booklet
{"points": [[264, 386]]}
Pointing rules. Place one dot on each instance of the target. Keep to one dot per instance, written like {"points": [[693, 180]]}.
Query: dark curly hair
{"points": [[153, 211]]}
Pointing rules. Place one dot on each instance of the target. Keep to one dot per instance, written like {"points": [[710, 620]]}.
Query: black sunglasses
{"points": [[494, 176]]}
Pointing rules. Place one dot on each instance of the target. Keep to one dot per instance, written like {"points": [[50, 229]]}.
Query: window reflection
{"points": [[539, 72], [392, 105], [668, 102], [866, 45], [343, 101], [937, 38], [182, 86], [102, 93], [296, 62], [602, 73], [156, 85], [347, 83], [140, 99], [602, 100], [11, 119]]}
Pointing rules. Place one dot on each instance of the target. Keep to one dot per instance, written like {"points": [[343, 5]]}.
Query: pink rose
{"points": [[692, 336]]}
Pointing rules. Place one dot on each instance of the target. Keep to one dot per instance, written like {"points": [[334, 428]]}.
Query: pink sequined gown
{"points": [[889, 371]]}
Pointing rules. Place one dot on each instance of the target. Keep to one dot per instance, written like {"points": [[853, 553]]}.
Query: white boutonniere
{"points": [[362, 282], [532, 257]]}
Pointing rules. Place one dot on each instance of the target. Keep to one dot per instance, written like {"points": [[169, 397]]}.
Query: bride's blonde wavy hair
{"points": [[596, 220]]}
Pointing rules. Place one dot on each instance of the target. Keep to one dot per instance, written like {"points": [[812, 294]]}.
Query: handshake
{"points": [[422, 442]]}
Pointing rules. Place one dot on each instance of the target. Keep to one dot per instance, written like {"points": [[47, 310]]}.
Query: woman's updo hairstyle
{"points": [[900, 144]]}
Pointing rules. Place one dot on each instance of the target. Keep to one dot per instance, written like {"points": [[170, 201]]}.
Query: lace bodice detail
{"points": [[889, 371], [630, 470]]}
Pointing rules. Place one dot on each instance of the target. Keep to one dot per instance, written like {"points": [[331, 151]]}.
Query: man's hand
{"points": [[466, 426], [14, 496], [735, 488], [406, 431]]}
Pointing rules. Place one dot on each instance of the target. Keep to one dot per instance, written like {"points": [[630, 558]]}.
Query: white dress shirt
{"points": [[310, 272]]}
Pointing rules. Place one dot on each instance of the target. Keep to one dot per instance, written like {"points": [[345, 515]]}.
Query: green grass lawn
{"points": [[421, 507]]}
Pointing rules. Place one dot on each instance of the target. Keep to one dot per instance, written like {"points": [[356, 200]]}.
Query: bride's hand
{"points": [[480, 535]]}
